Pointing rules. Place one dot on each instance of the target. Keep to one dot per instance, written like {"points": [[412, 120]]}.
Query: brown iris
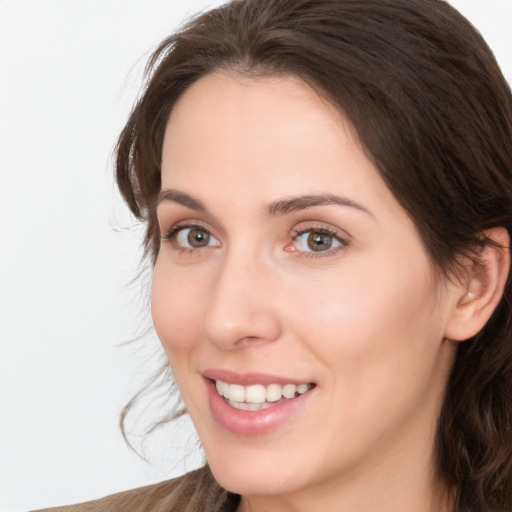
{"points": [[319, 242], [198, 237]]}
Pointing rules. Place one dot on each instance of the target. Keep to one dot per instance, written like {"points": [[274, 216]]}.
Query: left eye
{"points": [[316, 241], [195, 237]]}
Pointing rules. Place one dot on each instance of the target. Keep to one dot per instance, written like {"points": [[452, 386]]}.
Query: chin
{"points": [[252, 476], [253, 482]]}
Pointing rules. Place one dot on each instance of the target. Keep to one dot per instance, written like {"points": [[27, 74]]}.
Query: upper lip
{"points": [[250, 378]]}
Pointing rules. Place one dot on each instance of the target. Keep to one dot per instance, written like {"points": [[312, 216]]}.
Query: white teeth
{"points": [[255, 394], [274, 392], [220, 386], [253, 397], [249, 406], [302, 388], [240, 405], [289, 390], [257, 407], [235, 392]]}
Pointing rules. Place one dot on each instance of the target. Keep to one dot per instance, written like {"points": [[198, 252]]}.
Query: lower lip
{"points": [[251, 423]]}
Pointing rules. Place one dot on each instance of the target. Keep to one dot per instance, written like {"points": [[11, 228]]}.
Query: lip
{"points": [[248, 379], [252, 423]]}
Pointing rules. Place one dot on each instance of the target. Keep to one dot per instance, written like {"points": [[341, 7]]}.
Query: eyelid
{"points": [[340, 236], [182, 224], [321, 227], [171, 233]]}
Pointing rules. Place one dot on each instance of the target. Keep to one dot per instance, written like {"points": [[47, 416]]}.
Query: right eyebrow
{"points": [[297, 203], [181, 198]]}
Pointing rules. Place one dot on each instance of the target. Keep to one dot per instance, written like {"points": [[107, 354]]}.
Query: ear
{"points": [[480, 291]]}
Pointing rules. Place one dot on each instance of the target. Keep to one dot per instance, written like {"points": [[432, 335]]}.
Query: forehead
{"points": [[266, 138], [221, 106]]}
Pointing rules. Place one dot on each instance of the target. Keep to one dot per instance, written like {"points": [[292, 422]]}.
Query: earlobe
{"points": [[481, 290]]}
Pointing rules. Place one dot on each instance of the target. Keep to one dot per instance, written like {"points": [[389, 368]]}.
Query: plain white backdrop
{"points": [[69, 72]]}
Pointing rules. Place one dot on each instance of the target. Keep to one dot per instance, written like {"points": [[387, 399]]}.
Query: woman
{"points": [[326, 187]]}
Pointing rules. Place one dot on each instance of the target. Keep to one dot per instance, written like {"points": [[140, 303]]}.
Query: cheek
{"points": [[370, 319], [176, 305], [377, 338]]}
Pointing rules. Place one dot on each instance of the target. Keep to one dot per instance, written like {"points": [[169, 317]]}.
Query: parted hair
{"points": [[432, 111]]}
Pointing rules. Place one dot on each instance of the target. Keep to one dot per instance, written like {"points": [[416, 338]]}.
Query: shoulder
{"points": [[194, 492]]}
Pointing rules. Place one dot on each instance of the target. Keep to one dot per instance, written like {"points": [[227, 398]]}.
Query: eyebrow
{"points": [[274, 209], [293, 204], [181, 198]]}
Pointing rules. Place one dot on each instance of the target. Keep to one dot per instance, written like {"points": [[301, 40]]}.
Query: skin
{"points": [[364, 320]]}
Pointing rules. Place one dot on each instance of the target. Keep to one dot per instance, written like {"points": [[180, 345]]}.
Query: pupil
{"points": [[198, 238], [319, 242]]}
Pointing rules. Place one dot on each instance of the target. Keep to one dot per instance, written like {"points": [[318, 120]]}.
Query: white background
{"points": [[69, 71]]}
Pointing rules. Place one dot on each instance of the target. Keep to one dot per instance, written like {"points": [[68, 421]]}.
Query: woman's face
{"points": [[289, 274]]}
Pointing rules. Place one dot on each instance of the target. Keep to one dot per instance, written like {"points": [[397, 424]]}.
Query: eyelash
{"points": [[298, 232], [172, 233]]}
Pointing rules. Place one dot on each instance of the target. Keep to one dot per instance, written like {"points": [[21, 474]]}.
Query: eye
{"points": [[191, 237], [316, 240]]}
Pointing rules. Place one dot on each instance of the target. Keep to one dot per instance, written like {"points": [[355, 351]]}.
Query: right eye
{"points": [[191, 237]]}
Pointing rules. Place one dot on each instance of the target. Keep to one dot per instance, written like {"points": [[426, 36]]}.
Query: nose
{"points": [[240, 309]]}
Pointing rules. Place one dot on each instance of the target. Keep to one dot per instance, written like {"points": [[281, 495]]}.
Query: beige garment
{"points": [[194, 492]]}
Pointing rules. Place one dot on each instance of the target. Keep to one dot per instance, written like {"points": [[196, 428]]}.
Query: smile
{"points": [[257, 396], [252, 404]]}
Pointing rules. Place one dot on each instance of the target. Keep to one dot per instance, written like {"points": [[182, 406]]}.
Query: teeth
{"points": [[249, 406], [257, 396], [239, 405], [235, 393], [302, 388], [274, 393], [289, 390], [220, 386]]}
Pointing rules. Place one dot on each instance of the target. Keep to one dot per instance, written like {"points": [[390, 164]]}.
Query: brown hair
{"points": [[432, 111]]}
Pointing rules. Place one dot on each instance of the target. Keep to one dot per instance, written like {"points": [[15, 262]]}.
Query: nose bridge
{"points": [[240, 303]]}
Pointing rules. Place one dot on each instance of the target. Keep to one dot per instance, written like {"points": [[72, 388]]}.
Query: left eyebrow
{"points": [[182, 198], [294, 204]]}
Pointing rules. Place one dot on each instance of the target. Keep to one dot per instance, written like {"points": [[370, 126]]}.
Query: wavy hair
{"points": [[433, 112]]}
